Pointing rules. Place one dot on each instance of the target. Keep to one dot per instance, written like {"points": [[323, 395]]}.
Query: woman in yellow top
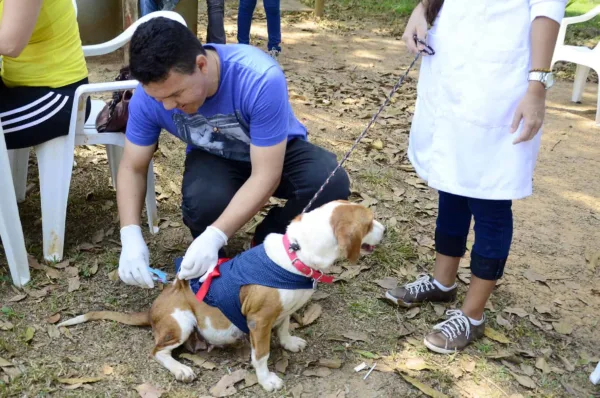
{"points": [[42, 66]]}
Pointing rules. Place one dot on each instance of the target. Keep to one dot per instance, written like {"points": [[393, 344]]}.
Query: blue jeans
{"points": [[493, 232], [272, 9], [210, 182], [215, 32]]}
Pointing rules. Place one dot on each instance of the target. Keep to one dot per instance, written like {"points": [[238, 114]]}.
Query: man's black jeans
{"points": [[210, 182]]}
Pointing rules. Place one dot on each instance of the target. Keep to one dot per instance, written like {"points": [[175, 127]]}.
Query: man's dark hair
{"points": [[160, 46]]}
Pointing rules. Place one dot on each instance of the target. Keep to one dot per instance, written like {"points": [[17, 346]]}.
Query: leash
{"points": [[429, 51]]}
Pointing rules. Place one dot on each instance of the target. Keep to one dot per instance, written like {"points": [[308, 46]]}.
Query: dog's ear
{"points": [[350, 224]]}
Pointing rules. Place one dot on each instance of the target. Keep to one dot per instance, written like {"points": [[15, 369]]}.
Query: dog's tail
{"points": [[133, 318]]}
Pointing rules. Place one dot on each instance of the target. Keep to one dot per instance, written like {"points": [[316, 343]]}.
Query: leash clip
{"points": [[427, 50]]}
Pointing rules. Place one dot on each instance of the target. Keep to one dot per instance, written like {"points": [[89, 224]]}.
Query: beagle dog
{"points": [[256, 291]]}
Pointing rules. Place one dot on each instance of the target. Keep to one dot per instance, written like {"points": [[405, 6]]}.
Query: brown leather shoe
{"points": [[454, 334], [417, 292]]}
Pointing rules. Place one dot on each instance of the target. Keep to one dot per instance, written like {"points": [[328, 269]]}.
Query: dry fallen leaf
{"points": [[114, 275], [527, 369], [356, 336], [319, 295], [250, 380], [86, 246], [53, 319], [226, 386], [107, 370], [520, 312], [29, 333], [503, 322], [53, 332], [74, 284], [4, 363], [563, 327], [72, 271], [94, 268], [330, 363], [61, 265], [311, 314], [147, 390], [542, 365], [425, 389], [281, 365], [33, 263], [52, 273], [38, 293], [439, 309], [387, 283], [18, 297], [417, 364], [533, 276], [199, 360], [495, 335], [567, 364], [525, 381], [318, 372], [413, 312], [81, 380], [98, 236], [5, 325], [543, 309]]}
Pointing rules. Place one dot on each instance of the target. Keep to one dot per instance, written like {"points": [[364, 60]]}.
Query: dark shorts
{"points": [[33, 115]]}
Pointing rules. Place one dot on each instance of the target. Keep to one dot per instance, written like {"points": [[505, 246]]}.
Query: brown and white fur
{"points": [[335, 230]]}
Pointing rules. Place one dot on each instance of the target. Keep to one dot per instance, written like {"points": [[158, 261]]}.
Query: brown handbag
{"points": [[114, 115]]}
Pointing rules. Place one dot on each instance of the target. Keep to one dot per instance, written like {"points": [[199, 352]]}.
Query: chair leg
{"points": [[581, 74], [11, 229], [19, 164], [114, 154], [151, 201], [55, 163]]}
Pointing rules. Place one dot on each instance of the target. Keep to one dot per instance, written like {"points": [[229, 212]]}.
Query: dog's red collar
{"points": [[300, 266]]}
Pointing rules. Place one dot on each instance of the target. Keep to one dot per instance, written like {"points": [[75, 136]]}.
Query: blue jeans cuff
{"points": [[449, 245], [489, 269]]}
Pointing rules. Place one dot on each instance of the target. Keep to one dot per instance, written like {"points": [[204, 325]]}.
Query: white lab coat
{"points": [[467, 94]]}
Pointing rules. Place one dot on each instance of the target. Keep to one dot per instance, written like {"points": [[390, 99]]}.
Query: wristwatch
{"points": [[545, 77]]}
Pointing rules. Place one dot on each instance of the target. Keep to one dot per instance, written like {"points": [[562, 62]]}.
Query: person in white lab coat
{"points": [[475, 137]]}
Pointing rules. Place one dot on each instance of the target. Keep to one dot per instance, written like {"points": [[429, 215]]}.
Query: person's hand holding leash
{"points": [[203, 253], [416, 26], [531, 110], [134, 262]]}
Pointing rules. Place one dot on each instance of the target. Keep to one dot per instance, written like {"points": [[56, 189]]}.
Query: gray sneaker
{"points": [[454, 334], [420, 291]]}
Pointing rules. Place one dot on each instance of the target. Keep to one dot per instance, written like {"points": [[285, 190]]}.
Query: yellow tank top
{"points": [[53, 57]]}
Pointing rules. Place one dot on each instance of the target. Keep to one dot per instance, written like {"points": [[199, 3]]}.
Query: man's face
{"points": [[182, 91]]}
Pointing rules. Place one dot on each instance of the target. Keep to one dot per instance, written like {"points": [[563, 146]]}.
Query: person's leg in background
{"points": [[148, 6], [493, 238], [273, 12], [306, 167], [245, 12], [209, 184], [452, 228], [215, 32]]}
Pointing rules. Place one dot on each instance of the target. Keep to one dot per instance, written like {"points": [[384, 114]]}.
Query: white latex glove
{"points": [[135, 258], [203, 253]]}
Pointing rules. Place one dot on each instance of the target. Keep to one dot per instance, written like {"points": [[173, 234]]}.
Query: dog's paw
{"points": [[183, 373], [271, 382], [293, 343]]}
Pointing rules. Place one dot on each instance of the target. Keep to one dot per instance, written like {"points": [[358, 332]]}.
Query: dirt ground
{"points": [[544, 311]]}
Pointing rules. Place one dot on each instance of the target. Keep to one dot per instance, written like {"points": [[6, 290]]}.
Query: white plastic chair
{"points": [[584, 57], [11, 231], [55, 157]]}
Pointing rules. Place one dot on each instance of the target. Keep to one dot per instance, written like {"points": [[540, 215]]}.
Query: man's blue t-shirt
{"points": [[251, 106]]}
